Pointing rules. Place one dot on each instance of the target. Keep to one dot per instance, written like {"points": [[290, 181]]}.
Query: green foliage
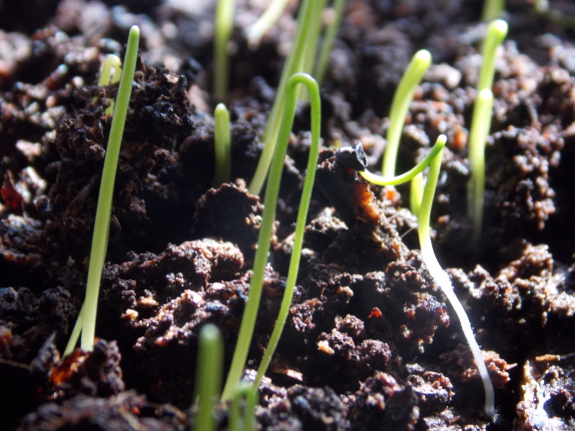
{"points": [[86, 323], [266, 229], [401, 101], [208, 376], [222, 145], [249, 393], [492, 9], [480, 125], [224, 26], [295, 63]]}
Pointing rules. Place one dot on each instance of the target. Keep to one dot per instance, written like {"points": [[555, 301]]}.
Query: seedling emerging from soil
{"points": [[208, 376], [86, 323], [443, 281], [111, 72], [309, 15], [401, 101], [222, 145], [224, 26], [433, 159], [415, 194], [245, 392], [265, 234], [480, 125]]}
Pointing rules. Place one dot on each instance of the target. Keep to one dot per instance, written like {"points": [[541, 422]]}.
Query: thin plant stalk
{"points": [[496, 33], [328, 41], [243, 391], [294, 64], [314, 35], [415, 194], [224, 26], [293, 270], [222, 145], [254, 32], [443, 281], [492, 9], [111, 73], [409, 175], [208, 376], [266, 229], [87, 317], [399, 106], [481, 122]]}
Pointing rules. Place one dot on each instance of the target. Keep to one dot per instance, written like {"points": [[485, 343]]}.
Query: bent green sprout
{"points": [[224, 26], [111, 73], [443, 281], [265, 234], [480, 125], [250, 394], [222, 145], [401, 101], [86, 323], [208, 376]]}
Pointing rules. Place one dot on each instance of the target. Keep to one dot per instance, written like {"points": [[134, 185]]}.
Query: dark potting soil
{"points": [[370, 342]]}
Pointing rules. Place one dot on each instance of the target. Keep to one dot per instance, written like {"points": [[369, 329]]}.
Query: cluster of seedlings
{"points": [[238, 397]]}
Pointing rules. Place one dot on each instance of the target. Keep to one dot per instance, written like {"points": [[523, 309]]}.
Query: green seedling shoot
{"points": [[480, 125], [264, 23], [111, 72], [249, 393], [492, 9], [481, 121], [443, 281], [399, 106], [415, 194], [86, 323], [222, 145], [433, 159], [329, 39], [224, 27], [295, 63], [265, 234], [208, 376]]}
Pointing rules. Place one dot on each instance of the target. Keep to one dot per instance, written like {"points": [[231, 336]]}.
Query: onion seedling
{"points": [[266, 229], [224, 25], [295, 62], [222, 145], [443, 281], [433, 159], [399, 106], [86, 322], [250, 394], [480, 125], [111, 72], [208, 376]]}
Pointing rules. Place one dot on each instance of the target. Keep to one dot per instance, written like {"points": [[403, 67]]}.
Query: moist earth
{"points": [[370, 342]]}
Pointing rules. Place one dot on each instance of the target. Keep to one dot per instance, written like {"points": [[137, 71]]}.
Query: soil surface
{"points": [[370, 342]]}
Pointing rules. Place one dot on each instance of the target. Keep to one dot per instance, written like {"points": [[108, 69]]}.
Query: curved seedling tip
{"points": [[409, 175], [498, 29]]}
